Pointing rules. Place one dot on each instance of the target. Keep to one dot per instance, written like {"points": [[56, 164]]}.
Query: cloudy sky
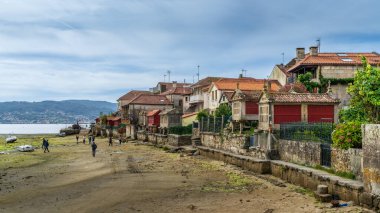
{"points": [[100, 49]]}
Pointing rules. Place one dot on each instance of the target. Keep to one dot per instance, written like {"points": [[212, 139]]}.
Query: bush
{"points": [[348, 135], [181, 130]]}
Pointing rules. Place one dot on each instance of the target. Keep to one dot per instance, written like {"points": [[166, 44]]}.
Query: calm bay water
{"points": [[32, 128]]}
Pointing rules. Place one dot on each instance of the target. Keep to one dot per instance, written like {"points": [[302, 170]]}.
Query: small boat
{"points": [[11, 139], [25, 148]]}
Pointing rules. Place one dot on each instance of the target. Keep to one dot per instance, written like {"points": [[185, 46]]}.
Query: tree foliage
{"points": [[305, 79], [348, 135], [365, 96], [223, 110], [202, 114]]}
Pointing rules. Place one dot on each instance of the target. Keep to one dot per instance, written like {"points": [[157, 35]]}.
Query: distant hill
{"points": [[53, 112]]}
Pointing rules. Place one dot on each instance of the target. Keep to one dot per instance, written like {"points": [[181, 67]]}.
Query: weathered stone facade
{"points": [[161, 139], [179, 140], [300, 152], [152, 138], [347, 161], [142, 136], [371, 157]]}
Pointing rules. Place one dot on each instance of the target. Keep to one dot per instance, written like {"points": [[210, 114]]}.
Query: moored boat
{"points": [[25, 148], [11, 139]]}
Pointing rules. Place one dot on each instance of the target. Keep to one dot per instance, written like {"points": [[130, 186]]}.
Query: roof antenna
{"points": [[283, 58], [169, 74], [198, 72], [244, 72], [164, 77], [319, 44]]}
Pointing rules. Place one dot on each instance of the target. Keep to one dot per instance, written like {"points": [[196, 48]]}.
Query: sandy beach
{"points": [[139, 178]]}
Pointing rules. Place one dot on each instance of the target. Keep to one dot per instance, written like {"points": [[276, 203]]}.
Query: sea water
{"points": [[32, 128]]}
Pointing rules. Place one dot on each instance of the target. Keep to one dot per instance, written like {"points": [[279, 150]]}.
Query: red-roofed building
{"points": [[337, 67], [276, 108], [154, 120]]}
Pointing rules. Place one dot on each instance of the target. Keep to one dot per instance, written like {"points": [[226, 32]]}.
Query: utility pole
{"points": [[169, 75], [198, 72], [319, 44]]}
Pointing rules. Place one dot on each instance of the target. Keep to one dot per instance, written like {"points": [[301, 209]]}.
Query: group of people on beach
{"points": [[91, 141]]}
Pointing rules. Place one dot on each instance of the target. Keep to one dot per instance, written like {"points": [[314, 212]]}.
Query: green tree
{"points": [[202, 114], [223, 110], [305, 79], [365, 96]]}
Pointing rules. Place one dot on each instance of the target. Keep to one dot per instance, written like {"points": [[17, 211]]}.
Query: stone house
{"points": [[198, 99], [124, 100], [176, 96], [338, 68], [153, 120], [138, 108], [170, 118], [162, 87], [285, 107], [223, 86]]}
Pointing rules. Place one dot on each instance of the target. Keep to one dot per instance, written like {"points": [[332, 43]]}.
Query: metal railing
{"points": [[314, 132], [213, 124]]}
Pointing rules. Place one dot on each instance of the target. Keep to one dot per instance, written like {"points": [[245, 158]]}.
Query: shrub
{"points": [[347, 135], [181, 130]]}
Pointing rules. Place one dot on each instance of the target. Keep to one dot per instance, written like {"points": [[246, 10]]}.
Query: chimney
{"points": [[174, 84], [241, 75], [313, 50], [300, 53]]}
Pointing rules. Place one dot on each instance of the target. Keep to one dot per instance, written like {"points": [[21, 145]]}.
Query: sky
{"points": [[101, 49]]}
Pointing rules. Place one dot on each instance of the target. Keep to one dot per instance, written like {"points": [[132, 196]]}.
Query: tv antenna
{"points": [[164, 77], [198, 72], [169, 75], [283, 58], [244, 72], [319, 44]]}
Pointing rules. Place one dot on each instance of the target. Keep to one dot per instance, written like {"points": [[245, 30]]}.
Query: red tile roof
{"points": [[302, 98], [113, 118], [189, 114], [245, 84], [153, 112], [297, 87], [336, 59], [133, 94], [146, 99], [205, 82], [178, 91]]}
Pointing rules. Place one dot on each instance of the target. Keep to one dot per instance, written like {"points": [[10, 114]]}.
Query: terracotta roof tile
{"points": [[302, 98], [336, 59], [246, 84], [297, 87], [205, 82], [133, 94], [151, 100], [178, 91], [153, 112]]}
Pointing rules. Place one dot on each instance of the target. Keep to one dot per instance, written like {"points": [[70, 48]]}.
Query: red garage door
{"points": [[251, 108], [287, 113], [320, 113]]}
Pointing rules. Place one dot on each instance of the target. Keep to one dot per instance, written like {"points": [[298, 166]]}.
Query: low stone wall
{"points": [[234, 144], [371, 159], [308, 153], [152, 138], [161, 139], [347, 161], [178, 140], [348, 190], [248, 163], [142, 136]]}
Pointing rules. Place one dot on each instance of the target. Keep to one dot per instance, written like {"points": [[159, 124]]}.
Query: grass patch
{"points": [[303, 191], [36, 141], [234, 182], [347, 175]]}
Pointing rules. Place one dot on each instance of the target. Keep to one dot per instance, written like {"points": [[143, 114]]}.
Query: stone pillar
{"points": [[371, 159]]}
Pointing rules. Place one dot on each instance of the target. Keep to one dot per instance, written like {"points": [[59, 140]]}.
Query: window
{"points": [[347, 59], [341, 54], [186, 99]]}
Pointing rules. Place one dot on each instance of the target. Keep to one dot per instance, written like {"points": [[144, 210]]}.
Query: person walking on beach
{"points": [[45, 145], [89, 139], [120, 140], [84, 139], [93, 147], [110, 141], [77, 137]]}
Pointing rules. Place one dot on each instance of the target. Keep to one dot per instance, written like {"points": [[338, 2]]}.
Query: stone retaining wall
{"points": [[179, 140], [152, 138], [371, 159], [161, 139], [308, 153], [348, 190], [347, 161], [142, 136]]}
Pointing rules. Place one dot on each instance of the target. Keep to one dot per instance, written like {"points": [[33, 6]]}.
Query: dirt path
{"points": [[140, 178]]}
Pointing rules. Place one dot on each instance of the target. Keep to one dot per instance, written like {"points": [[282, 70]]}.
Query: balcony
{"points": [[196, 99]]}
